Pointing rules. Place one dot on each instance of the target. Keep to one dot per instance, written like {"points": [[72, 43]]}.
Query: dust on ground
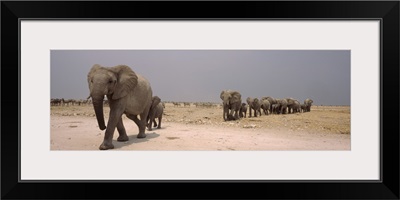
{"points": [[203, 128]]}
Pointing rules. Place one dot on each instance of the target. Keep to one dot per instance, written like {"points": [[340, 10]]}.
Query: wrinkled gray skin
{"points": [[254, 104], [282, 105], [271, 101], [265, 106], [231, 101], [243, 110], [153, 113], [127, 92], [308, 103]]}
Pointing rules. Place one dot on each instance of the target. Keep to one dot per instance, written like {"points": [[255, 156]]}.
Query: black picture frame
{"points": [[386, 11]]}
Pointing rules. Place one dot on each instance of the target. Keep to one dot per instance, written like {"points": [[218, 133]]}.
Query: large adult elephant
{"points": [[308, 103], [265, 106], [232, 102], [271, 101], [282, 105], [254, 104], [293, 105], [127, 92]]}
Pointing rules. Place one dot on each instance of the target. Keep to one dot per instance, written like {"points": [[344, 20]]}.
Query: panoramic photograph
{"points": [[200, 100]]}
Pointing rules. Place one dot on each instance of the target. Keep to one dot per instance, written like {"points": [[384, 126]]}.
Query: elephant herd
{"points": [[131, 94], [234, 109]]}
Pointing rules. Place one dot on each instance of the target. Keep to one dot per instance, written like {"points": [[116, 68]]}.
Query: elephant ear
{"points": [[126, 81], [222, 95]]}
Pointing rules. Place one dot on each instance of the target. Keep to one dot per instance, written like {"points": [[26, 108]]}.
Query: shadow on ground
{"points": [[134, 140]]}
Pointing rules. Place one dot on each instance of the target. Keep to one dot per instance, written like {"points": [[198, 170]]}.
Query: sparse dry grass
{"points": [[327, 119]]}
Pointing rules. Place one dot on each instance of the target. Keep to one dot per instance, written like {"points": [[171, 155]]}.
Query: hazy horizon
{"points": [[201, 75]]}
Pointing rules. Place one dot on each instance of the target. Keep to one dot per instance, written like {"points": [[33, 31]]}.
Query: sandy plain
{"points": [[203, 128]]}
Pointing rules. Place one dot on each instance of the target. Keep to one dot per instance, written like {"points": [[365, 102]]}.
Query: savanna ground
{"points": [[202, 128]]}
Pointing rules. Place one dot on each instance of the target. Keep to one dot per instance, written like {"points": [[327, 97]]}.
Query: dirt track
{"points": [[193, 128]]}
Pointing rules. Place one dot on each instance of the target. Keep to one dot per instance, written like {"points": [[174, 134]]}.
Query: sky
{"points": [[201, 75]]}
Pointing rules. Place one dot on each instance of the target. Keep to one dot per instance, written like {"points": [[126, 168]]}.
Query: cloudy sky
{"points": [[201, 75]]}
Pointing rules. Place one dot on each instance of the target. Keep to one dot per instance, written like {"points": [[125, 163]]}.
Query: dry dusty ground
{"points": [[191, 128]]}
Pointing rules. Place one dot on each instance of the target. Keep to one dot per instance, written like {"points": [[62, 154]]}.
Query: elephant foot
{"points": [[159, 127], [122, 138], [105, 146], [149, 129], [141, 135]]}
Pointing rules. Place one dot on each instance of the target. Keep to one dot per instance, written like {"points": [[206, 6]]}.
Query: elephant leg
{"points": [[142, 124], [159, 122], [249, 112], [236, 114], [224, 114], [122, 132], [155, 123], [133, 118], [114, 118], [231, 114], [138, 123], [150, 124]]}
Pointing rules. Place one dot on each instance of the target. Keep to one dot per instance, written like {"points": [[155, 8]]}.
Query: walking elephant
{"points": [[254, 104], [265, 106], [127, 93], [308, 103], [293, 105], [271, 101], [243, 110], [275, 108], [282, 106], [232, 101], [156, 111]]}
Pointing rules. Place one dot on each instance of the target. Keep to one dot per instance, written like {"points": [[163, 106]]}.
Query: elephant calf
{"points": [[156, 111], [243, 110]]}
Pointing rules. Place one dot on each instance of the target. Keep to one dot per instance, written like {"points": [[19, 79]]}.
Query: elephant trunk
{"points": [[98, 109]]}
